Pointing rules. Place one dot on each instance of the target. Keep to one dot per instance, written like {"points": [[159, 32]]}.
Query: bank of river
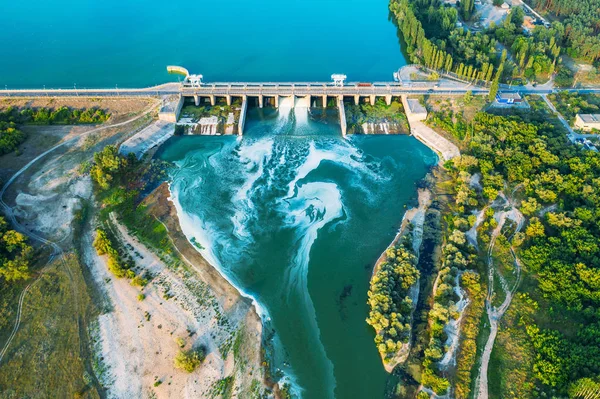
{"points": [[295, 216]]}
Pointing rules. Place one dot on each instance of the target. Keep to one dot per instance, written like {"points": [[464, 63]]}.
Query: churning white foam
{"points": [[314, 206], [345, 155], [253, 156]]}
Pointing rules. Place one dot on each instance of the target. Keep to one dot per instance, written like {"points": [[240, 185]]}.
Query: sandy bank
{"points": [[159, 205]]}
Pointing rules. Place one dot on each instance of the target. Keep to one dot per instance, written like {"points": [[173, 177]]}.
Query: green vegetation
{"points": [[432, 39], [380, 112], [189, 360], [466, 357], [561, 247], [454, 271], [47, 357], [549, 340], [390, 305], [10, 118], [119, 182], [581, 17], [429, 29], [220, 111], [535, 55], [105, 246], [15, 254], [455, 257], [571, 104], [223, 388], [451, 122], [49, 116], [10, 137], [512, 357]]}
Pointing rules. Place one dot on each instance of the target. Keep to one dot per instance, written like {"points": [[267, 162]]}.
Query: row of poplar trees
{"points": [[429, 54]]}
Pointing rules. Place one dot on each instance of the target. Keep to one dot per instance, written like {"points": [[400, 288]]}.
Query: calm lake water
{"points": [[296, 216], [129, 43]]}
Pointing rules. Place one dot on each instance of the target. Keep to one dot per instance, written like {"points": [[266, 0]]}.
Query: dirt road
{"points": [[10, 214], [495, 314]]}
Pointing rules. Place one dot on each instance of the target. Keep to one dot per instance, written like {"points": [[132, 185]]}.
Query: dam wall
{"points": [[342, 111], [242, 121]]}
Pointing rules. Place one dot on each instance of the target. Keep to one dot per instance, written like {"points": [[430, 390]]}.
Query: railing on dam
{"points": [[313, 89]]}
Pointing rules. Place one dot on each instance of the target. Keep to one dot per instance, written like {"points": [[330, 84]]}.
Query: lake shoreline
{"points": [[414, 217], [235, 303]]}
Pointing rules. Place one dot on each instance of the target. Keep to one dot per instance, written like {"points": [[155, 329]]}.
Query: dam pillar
{"points": [[372, 99], [388, 99], [325, 101], [261, 100], [276, 101], [309, 100], [197, 100], [356, 99], [212, 100], [228, 97], [293, 99], [343, 126], [242, 120]]}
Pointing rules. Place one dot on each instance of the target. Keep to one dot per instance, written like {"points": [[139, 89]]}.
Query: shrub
{"points": [[189, 360]]}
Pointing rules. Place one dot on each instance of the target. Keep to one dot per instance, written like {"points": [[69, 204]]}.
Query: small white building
{"points": [[504, 97], [587, 122]]}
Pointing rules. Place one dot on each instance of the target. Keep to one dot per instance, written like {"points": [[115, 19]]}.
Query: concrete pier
{"points": [[416, 114], [170, 110], [276, 101], [388, 99], [242, 121], [261, 101], [372, 99], [197, 100], [343, 124], [213, 100], [356, 99], [324, 101], [228, 100]]}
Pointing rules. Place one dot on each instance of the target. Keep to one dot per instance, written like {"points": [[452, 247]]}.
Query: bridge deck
{"points": [[283, 89]]}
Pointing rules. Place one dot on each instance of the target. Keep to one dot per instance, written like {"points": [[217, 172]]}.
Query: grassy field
{"points": [[46, 357], [511, 361]]}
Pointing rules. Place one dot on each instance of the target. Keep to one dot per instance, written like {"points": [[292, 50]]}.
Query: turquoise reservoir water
{"points": [[129, 43], [296, 216]]}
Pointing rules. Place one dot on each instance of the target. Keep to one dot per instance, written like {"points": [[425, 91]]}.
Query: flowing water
{"points": [[295, 216]]}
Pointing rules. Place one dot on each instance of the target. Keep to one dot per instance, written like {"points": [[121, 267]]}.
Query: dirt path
{"points": [[558, 114], [495, 314], [10, 214], [137, 340]]}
